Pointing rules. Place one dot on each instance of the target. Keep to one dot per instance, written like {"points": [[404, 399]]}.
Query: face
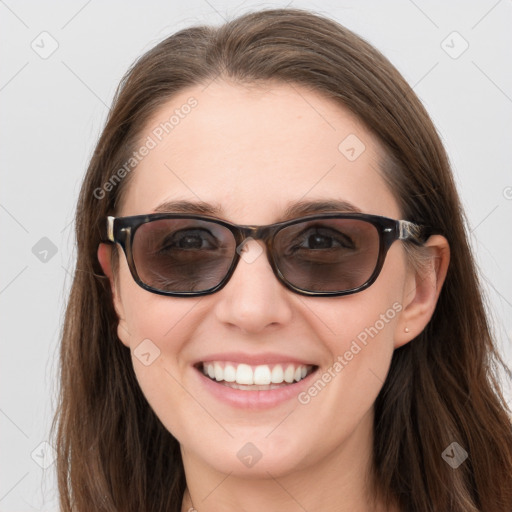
{"points": [[253, 151]]}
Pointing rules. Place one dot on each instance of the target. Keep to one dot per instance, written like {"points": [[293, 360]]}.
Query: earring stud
{"points": [[406, 329]]}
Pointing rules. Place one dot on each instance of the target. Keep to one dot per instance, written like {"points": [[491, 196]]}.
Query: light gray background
{"points": [[53, 109]]}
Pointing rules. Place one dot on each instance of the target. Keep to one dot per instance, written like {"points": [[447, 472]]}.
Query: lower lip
{"points": [[254, 399]]}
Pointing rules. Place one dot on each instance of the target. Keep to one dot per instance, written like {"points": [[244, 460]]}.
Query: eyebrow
{"points": [[292, 210]]}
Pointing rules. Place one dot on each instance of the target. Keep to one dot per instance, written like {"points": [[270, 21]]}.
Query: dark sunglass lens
{"points": [[327, 255], [182, 255]]}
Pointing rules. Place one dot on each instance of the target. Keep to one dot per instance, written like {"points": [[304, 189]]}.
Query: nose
{"points": [[253, 299]]}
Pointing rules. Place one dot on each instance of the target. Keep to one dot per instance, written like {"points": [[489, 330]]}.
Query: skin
{"points": [[253, 150]]}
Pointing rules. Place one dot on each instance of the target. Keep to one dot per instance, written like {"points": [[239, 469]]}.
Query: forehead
{"points": [[252, 151]]}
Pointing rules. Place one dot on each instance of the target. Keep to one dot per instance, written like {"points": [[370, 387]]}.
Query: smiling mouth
{"points": [[255, 378]]}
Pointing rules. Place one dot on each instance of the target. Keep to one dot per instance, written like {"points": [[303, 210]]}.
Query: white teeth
{"points": [[262, 375], [244, 374], [229, 373], [219, 374], [277, 374], [259, 377], [289, 373]]}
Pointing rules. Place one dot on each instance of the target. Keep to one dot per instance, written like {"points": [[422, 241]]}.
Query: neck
{"points": [[337, 481]]}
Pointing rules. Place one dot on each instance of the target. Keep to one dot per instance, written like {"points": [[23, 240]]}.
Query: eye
{"points": [[189, 239], [323, 238]]}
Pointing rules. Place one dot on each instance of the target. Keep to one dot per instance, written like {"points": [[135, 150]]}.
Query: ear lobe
{"points": [[104, 255], [422, 290]]}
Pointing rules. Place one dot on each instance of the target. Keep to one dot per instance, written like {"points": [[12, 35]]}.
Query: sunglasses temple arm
{"points": [[107, 230], [411, 231]]}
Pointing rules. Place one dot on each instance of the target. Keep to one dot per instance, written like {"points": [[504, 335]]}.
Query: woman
{"points": [[337, 358]]}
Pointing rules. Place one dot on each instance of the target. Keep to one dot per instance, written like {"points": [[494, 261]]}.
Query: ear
{"points": [[422, 289], [105, 258]]}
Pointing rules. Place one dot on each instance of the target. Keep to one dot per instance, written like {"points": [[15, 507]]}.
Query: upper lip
{"points": [[253, 359]]}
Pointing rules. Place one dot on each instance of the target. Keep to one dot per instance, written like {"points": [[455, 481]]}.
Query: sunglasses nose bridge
{"points": [[245, 234]]}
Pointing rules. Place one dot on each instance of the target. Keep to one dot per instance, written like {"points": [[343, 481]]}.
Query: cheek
{"points": [[358, 331], [156, 329], [360, 346], [159, 331], [345, 389], [361, 324], [159, 328], [149, 316]]}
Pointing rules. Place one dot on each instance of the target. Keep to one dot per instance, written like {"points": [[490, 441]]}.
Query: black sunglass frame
{"points": [[121, 230]]}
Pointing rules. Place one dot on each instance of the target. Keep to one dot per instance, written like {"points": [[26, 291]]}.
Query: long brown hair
{"points": [[113, 452]]}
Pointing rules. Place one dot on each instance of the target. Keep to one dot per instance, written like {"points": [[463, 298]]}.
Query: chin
{"points": [[256, 458]]}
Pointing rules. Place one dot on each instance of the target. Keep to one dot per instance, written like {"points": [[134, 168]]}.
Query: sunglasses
{"points": [[329, 254]]}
